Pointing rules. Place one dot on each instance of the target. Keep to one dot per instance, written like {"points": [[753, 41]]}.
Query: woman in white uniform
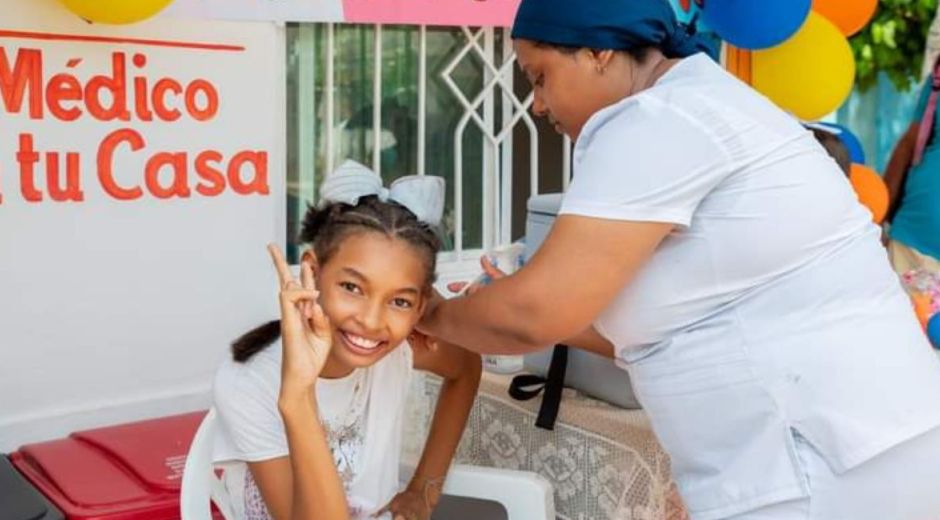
{"points": [[711, 247]]}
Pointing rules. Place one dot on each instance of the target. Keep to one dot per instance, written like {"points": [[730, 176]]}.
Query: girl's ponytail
{"points": [[255, 341]]}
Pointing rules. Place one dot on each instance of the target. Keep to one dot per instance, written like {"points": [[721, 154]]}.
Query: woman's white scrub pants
{"points": [[902, 483]]}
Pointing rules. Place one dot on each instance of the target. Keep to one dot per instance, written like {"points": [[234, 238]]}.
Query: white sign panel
{"points": [[277, 10], [141, 175]]}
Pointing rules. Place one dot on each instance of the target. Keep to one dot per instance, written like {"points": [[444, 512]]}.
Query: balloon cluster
{"points": [[924, 287], [802, 61], [116, 11], [801, 56]]}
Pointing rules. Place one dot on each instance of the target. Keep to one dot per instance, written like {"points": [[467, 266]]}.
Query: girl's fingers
{"points": [[421, 341], [307, 281], [306, 276], [321, 324], [295, 296], [283, 270]]}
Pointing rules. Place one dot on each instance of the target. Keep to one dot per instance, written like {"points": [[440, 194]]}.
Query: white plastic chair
{"points": [[524, 495], [200, 483]]}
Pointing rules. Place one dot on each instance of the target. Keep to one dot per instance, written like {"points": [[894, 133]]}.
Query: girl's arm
{"points": [[274, 481], [316, 489], [460, 370], [310, 459]]}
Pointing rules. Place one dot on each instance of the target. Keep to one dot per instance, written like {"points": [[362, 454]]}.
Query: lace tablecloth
{"points": [[604, 462]]}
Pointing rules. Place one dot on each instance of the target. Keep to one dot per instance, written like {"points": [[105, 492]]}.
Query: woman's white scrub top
{"points": [[770, 311]]}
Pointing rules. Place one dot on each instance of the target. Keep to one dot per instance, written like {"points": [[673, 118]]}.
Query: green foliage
{"points": [[893, 43]]}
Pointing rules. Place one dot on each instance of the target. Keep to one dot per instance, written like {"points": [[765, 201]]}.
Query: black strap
{"points": [[528, 386]]}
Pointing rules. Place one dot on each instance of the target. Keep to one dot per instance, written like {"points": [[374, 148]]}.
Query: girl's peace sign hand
{"points": [[305, 330]]}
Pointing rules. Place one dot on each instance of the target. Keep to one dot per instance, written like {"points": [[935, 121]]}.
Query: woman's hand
{"points": [[408, 505], [305, 329], [461, 289], [422, 342], [488, 268]]}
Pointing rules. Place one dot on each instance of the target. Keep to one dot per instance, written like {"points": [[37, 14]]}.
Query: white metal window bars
{"points": [[497, 181], [497, 171]]}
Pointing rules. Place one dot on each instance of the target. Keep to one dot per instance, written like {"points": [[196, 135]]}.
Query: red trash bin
{"points": [[126, 472]]}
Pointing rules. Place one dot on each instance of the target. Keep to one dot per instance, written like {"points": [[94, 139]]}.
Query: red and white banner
{"points": [[141, 175]]}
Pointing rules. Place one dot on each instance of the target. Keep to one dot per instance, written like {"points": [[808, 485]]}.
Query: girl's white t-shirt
{"points": [[770, 309], [362, 413]]}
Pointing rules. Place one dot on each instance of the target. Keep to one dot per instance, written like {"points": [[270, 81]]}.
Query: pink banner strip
{"points": [[497, 13]]}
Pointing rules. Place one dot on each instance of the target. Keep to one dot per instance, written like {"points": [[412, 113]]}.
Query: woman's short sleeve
{"points": [[643, 160], [246, 402]]}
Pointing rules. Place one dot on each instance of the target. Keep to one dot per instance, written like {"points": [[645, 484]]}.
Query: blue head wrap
{"points": [[607, 24]]}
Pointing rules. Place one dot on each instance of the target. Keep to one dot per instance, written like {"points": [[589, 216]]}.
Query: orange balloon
{"points": [[871, 190], [922, 308], [850, 16]]}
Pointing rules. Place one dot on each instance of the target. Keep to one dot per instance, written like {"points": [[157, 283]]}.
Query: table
{"points": [[604, 462]]}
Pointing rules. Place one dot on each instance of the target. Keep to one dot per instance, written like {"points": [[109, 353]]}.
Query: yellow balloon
{"points": [[811, 74], [116, 11]]}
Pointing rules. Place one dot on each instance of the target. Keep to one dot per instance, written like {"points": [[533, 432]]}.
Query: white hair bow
{"points": [[423, 195]]}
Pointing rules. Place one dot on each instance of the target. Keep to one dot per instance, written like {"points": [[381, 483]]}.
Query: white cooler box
{"points": [[587, 372]]}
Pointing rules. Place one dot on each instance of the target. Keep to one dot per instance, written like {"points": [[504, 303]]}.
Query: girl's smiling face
{"points": [[372, 289]]}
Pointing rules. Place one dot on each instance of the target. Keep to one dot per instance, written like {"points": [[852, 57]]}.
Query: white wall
{"points": [[114, 310]]}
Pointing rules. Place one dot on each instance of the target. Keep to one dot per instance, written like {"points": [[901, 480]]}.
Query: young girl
{"points": [[312, 428]]}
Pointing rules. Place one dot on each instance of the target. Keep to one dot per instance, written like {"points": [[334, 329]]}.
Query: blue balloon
{"points": [[753, 24], [933, 330], [856, 152]]}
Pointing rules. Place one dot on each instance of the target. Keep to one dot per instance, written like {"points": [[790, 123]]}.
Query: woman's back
{"points": [[706, 152], [731, 345]]}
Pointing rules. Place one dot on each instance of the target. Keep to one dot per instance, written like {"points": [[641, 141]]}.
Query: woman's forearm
{"points": [[317, 489], [498, 319], [580, 268]]}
